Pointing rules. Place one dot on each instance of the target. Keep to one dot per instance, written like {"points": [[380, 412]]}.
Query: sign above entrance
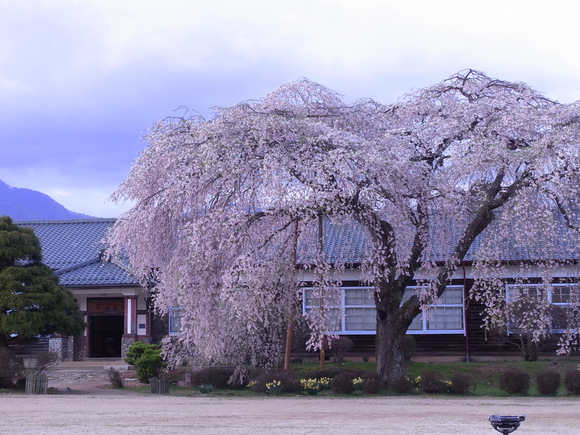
{"points": [[96, 306]]}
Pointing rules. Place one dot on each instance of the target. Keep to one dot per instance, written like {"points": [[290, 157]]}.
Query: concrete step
{"points": [[92, 365]]}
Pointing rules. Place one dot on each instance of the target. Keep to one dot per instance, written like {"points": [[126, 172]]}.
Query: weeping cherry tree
{"points": [[223, 204]]}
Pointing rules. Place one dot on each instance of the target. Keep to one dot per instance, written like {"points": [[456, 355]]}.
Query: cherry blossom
{"points": [[228, 209]]}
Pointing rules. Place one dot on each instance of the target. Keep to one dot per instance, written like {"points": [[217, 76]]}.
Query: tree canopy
{"points": [[32, 303], [222, 204]]}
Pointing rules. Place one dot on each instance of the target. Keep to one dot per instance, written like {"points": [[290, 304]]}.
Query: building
{"points": [[118, 310], [114, 306]]}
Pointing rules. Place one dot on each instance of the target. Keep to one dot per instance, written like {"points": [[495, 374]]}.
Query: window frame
{"points": [[173, 318], [424, 318], [549, 296]]}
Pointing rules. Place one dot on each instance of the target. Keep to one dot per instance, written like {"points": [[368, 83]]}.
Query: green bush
{"points": [[514, 381], [572, 381], [136, 350], [432, 382], [147, 360], [149, 365], [461, 383], [548, 382]]}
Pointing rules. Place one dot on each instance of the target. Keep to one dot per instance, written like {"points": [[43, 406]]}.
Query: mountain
{"points": [[26, 204]]}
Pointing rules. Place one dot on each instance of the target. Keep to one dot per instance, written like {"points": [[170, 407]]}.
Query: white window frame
{"points": [[424, 317], [549, 296]]}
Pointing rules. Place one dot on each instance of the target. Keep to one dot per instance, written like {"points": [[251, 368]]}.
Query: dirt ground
{"points": [[95, 410]]}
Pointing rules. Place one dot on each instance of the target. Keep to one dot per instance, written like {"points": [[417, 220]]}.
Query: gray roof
{"points": [[348, 244], [73, 248]]}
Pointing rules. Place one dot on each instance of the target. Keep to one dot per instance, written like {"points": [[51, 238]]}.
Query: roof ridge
{"points": [[78, 265], [66, 221]]}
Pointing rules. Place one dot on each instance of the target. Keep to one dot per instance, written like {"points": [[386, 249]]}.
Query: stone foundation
{"points": [[126, 341], [63, 347]]}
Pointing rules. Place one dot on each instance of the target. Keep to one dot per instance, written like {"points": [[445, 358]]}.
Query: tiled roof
{"points": [[95, 273], [342, 243], [73, 248], [347, 243]]}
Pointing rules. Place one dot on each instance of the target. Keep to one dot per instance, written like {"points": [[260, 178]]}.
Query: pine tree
{"points": [[32, 302]]}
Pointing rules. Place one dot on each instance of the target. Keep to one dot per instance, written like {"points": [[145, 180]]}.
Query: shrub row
{"points": [[517, 381], [511, 380]]}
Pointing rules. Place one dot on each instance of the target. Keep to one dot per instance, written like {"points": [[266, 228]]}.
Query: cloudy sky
{"points": [[82, 80]]}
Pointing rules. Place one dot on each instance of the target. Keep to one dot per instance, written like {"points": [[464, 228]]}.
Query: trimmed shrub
{"points": [[514, 381], [401, 385], [149, 365], [136, 350], [147, 360], [342, 383], [572, 381], [216, 376], [289, 383], [432, 382], [461, 383], [372, 383], [548, 382]]}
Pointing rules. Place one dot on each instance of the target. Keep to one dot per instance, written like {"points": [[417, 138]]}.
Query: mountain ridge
{"points": [[22, 204]]}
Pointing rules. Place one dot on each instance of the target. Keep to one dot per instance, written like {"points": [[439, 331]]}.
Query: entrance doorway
{"points": [[105, 334], [105, 331]]}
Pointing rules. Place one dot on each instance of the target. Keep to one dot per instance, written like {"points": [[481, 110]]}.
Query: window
{"points": [[356, 313], [445, 316], [559, 295], [174, 320]]}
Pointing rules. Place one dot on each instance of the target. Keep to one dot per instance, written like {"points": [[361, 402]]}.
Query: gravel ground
{"points": [[102, 411], [83, 403]]}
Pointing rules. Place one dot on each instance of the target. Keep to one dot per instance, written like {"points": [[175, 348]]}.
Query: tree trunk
{"points": [[389, 348], [392, 326]]}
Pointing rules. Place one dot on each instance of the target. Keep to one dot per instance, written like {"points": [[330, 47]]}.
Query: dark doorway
{"points": [[105, 334]]}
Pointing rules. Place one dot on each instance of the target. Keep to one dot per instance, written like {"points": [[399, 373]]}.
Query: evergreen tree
{"points": [[32, 302]]}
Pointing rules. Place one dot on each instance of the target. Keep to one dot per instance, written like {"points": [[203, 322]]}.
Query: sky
{"points": [[81, 81]]}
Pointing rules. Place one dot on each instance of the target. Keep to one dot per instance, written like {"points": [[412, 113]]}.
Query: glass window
{"points": [[452, 296], [360, 319], [174, 320], [358, 296], [356, 314], [443, 318], [561, 294]]}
